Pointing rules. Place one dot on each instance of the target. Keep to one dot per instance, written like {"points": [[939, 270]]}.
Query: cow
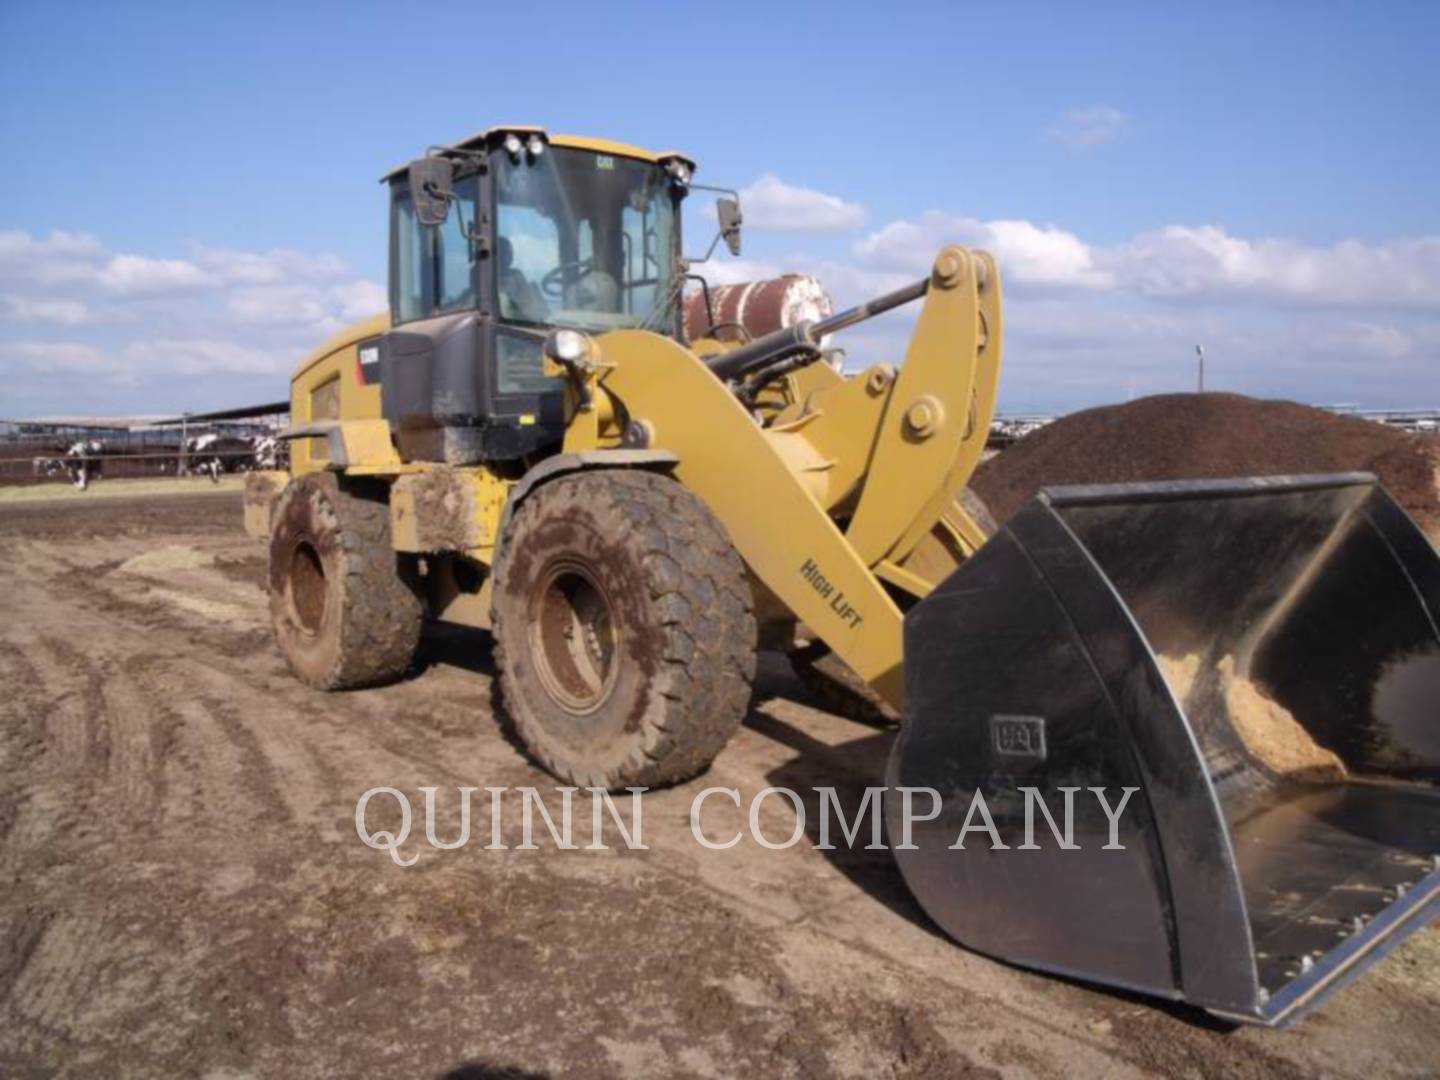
{"points": [[82, 462], [214, 455], [267, 452], [202, 456]]}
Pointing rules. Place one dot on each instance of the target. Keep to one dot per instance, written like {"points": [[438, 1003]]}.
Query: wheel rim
{"points": [[307, 587], [574, 638]]}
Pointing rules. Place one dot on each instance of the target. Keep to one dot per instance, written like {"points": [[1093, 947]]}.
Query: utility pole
{"points": [[1200, 357]]}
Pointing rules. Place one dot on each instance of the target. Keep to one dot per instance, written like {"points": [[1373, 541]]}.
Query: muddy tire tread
{"points": [[698, 586], [382, 618]]}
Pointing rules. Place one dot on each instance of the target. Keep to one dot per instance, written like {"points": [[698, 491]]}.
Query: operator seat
{"points": [[597, 291], [520, 298]]}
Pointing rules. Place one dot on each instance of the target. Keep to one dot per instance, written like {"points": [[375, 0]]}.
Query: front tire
{"points": [[343, 612], [624, 635]]}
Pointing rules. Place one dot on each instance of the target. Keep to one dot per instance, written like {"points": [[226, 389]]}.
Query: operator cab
{"points": [[495, 242]]}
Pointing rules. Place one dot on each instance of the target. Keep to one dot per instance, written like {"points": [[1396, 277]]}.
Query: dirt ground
{"points": [[182, 891]]}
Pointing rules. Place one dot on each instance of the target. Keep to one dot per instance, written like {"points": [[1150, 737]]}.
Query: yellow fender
{"points": [[776, 524]]}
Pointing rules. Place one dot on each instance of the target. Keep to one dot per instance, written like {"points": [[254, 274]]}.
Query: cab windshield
{"points": [[585, 240]]}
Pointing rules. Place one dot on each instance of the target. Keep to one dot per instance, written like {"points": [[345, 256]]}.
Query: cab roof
{"points": [[579, 142]]}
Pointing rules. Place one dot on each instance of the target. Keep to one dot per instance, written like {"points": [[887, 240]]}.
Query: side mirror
{"points": [[728, 211], [432, 188]]}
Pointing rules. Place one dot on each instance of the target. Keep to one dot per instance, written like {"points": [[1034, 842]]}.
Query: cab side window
{"points": [[408, 298], [433, 267], [454, 264]]}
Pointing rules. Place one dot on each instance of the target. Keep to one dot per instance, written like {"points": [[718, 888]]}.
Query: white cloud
{"points": [[723, 270], [80, 260], [51, 357], [285, 304], [1368, 339], [1207, 262], [771, 205], [32, 309], [1028, 253], [19, 244], [129, 275], [267, 267], [1080, 130], [60, 259], [1089, 323], [198, 329], [323, 308], [1086, 322], [1203, 262], [203, 357], [360, 300]]}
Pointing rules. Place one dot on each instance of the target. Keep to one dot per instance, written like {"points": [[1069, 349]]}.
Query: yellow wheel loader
{"points": [[1246, 672]]}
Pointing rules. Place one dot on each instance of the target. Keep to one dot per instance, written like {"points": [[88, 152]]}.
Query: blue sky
{"points": [[191, 197]]}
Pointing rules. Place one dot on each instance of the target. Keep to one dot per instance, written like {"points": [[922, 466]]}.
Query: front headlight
{"points": [[567, 346]]}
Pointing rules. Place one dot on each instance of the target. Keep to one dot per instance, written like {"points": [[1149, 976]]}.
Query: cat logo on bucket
{"points": [[1019, 736]]}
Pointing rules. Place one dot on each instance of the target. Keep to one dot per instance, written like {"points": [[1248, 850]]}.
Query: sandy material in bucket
{"points": [[1270, 733], [1180, 673]]}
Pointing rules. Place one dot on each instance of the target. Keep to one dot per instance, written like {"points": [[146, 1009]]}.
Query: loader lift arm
{"points": [[824, 530]]}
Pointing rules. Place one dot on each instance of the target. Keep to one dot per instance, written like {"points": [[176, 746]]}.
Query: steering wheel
{"points": [[553, 284]]}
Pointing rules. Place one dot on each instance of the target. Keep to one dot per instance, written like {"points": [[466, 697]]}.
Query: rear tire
{"points": [[343, 613], [624, 635]]}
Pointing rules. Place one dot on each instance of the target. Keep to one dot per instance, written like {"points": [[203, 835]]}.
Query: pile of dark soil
{"points": [[1208, 436]]}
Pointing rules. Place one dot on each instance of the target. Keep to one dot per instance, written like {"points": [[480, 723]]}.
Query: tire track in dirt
{"points": [[21, 938], [205, 777], [212, 764], [22, 736], [75, 727], [297, 758], [416, 730], [109, 722], [216, 611], [133, 767], [59, 966], [245, 707], [262, 774]]}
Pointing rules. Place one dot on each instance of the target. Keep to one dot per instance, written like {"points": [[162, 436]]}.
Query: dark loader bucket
{"points": [[1259, 661]]}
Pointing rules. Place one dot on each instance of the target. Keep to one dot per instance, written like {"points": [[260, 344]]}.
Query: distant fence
{"points": [[125, 466], [1415, 421], [123, 455]]}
